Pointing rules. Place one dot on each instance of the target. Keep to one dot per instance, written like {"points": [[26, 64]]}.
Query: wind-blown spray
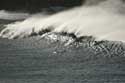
{"points": [[13, 15], [105, 20]]}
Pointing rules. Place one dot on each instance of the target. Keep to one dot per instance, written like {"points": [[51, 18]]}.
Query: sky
{"points": [[33, 5]]}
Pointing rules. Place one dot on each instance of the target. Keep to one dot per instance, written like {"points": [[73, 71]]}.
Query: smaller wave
{"points": [[6, 15], [63, 37]]}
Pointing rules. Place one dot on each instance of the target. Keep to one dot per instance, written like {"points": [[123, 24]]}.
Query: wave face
{"points": [[105, 21]]}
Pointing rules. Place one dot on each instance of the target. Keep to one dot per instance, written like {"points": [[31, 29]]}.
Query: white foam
{"points": [[104, 21]]}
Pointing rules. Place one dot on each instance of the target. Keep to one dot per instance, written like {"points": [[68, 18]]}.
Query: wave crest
{"points": [[103, 21]]}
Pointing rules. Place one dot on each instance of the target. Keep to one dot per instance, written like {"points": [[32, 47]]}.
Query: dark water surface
{"points": [[31, 60]]}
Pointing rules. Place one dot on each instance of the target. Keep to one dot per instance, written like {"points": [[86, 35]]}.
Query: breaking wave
{"points": [[104, 21]]}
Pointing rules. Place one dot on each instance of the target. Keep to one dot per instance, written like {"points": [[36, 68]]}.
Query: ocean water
{"points": [[82, 45], [47, 60]]}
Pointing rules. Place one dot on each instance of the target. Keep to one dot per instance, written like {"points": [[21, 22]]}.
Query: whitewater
{"points": [[104, 21]]}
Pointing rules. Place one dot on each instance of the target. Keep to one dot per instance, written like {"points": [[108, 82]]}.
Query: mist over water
{"points": [[103, 20], [13, 15]]}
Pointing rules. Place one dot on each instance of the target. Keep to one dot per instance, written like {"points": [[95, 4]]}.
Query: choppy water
{"points": [[55, 57], [48, 60]]}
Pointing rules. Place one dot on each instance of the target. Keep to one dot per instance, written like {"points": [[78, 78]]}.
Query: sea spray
{"points": [[105, 20], [6, 15]]}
